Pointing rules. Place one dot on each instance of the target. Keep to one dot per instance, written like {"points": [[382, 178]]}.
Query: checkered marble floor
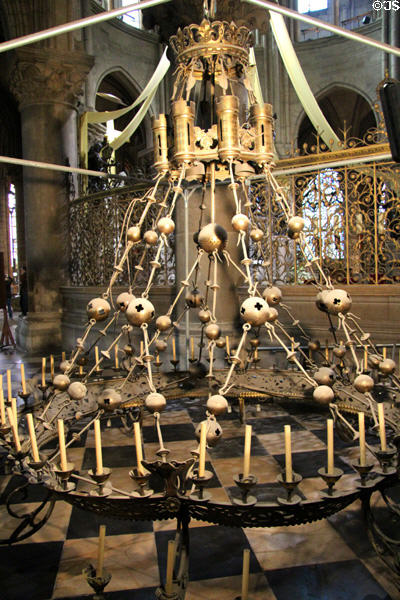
{"points": [[326, 560]]}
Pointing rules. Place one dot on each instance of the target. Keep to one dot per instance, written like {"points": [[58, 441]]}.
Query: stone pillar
{"points": [[46, 85], [187, 223]]}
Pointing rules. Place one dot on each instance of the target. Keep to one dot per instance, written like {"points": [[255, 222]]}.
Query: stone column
{"points": [[46, 84]]}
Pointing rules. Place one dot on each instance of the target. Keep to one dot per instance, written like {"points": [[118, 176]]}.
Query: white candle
{"points": [[141, 348], [245, 574], [23, 381], [361, 430], [365, 358], [43, 371], [329, 425], [32, 437], [96, 357], [192, 348], [170, 566], [51, 367], [61, 440], [14, 429], [202, 456], [99, 456], [100, 551], [173, 349], [288, 454], [62, 356], [116, 357], [14, 409], [9, 388], [247, 447], [228, 349], [382, 432], [384, 352], [2, 407], [138, 444]]}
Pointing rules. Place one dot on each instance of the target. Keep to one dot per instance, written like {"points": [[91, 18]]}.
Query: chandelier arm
{"points": [[342, 320]]}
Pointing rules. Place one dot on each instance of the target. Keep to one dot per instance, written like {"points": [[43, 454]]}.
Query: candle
{"points": [[382, 432], [192, 348], [100, 551], [365, 358], [247, 447], [14, 429], [173, 349], [329, 425], [228, 350], [61, 439], [361, 430], [23, 381], [32, 437], [9, 388], [96, 357], [292, 345], [116, 357], [138, 443], [14, 409], [62, 356], [80, 370], [158, 358], [51, 367], [2, 407], [288, 454], [202, 456], [170, 566], [141, 349], [99, 457], [384, 352], [43, 372], [256, 353], [245, 574], [327, 352]]}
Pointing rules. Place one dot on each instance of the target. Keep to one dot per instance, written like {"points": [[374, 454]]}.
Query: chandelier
{"points": [[219, 135]]}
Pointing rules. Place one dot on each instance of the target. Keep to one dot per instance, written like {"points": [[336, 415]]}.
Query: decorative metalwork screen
{"points": [[95, 224], [352, 216]]}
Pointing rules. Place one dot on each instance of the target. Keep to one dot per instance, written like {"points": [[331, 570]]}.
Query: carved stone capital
{"points": [[41, 76]]}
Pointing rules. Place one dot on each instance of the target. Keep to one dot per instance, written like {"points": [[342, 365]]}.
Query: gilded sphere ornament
{"points": [[128, 350], [204, 316], [296, 224], [272, 314], [133, 234], [256, 235], [123, 301], [109, 399], [323, 394], [272, 295], [161, 345], [374, 360], [220, 343], [254, 311], [61, 382], [98, 309], [65, 365], [363, 383], [163, 322], [339, 351], [76, 390], [387, 366], [214, 432], [140, 311], [320, 300], [194, 298], [150, 237], [325, 376], [155, 402], [337, 301], [314, 345], [211, 237], [166, 225], [212, 331], [217, 405], [240, 222]]}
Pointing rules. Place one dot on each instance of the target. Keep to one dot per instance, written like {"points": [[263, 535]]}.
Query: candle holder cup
{"points": [[63, 476], [4, 430], [200, 482], [386, 459], [104, 486], [141, 480], [37, 465], [245, 484], [330, 479], [25, 397], [97, 583], [174, 362], [163, 453], [289, 486], [363, 471], [161, 594]]}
